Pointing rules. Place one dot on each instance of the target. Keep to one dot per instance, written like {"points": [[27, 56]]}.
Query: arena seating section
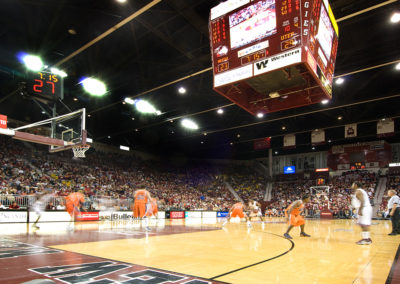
{"points": [[27, 168]]}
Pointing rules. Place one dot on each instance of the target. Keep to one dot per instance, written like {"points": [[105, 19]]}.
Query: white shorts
{"points": [[366, 217]]}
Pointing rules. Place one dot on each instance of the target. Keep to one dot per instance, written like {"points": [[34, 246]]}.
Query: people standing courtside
{"points": [[394, 212]]}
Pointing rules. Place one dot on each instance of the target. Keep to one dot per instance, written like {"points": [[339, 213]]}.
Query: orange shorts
{"points": [[72, 210], [296, 220], [139, 209], [237, 213]]}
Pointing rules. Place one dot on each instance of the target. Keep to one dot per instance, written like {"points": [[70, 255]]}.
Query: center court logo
{"points": [[277, 61]]}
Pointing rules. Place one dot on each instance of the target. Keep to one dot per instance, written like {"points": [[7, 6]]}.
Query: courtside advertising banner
{"points": [[87, 216], [222, 213], [177, 214], [57, 216], [209, 214], [13, 216], [192, 214]]}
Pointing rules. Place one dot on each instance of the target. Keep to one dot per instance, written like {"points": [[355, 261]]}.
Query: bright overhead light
{"points": [[260, 115], [59, 72], [329, 141], [220, 111], [324, 102], [89, 140], [32, 62], [129, 101], [75, 99], [395, 18], [121, 1], [94, 87], [238, 136], [89, 115], [182, 90], [202, 142], [313, 148], [124, 148], [397, 66], [276, 152], [189, 124], [205, 133], [108, 137], [283, 127], [43, 112], [340, 117], [231, 143], [146, 107], [339, 81]]}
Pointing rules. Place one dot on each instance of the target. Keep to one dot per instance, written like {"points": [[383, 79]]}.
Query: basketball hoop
{"points": [[79, 150]]}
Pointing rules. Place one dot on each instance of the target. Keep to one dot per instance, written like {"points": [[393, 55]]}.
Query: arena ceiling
{"points": [[170, 41]]}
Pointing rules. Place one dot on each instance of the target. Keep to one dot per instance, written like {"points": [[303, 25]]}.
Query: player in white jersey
{"points": [[39, 206], [255, 210], [364, 213]]}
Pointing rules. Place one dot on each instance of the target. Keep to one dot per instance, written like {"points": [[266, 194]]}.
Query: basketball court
{"points": [[197, 251]]}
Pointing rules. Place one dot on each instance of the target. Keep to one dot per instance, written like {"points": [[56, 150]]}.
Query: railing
{"points": [[93, 202]]}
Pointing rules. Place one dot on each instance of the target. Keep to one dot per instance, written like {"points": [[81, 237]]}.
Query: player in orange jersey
{"points": [[152, 208], [142, 198], [237, 211], [295, 219], [73, 204]]}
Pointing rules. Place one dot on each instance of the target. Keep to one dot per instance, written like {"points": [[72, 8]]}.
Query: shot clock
{"points": [[45, 85]]}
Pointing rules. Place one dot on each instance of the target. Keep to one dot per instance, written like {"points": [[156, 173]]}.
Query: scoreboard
{"points": [[267, 51], [45, 85]]}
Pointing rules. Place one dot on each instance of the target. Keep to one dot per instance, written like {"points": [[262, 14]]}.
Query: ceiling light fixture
{"points": [[283, 127], [182, 90], [189, 124], [339, 81], [32, 62], [340, 117], [94, 87], [129, 101], [260, 115], [397, 66], [220, 111], [395, 18], [324, 102]]}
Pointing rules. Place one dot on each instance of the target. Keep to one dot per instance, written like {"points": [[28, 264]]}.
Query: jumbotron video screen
{"points": [[251, 38]]}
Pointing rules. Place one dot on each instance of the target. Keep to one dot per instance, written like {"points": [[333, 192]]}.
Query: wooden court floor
{"points": [[204, 251]]}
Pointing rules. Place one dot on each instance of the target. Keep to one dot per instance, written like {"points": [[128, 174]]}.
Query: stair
{"points": [[233, 192], [379, 192]]}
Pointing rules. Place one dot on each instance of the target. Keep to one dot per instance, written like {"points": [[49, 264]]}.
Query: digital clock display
{"points": [[45, 85]]}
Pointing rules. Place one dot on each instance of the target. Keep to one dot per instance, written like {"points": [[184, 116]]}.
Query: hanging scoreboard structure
{"points": [[271, 55]]}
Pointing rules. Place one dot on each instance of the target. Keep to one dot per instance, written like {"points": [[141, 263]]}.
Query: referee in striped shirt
{"points": [[394, 212]]}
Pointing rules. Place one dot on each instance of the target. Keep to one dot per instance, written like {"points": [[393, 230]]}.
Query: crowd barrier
{"points": [[25, 216]]}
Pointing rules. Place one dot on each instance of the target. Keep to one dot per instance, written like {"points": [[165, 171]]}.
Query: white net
{"points": [[79, 150]]}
